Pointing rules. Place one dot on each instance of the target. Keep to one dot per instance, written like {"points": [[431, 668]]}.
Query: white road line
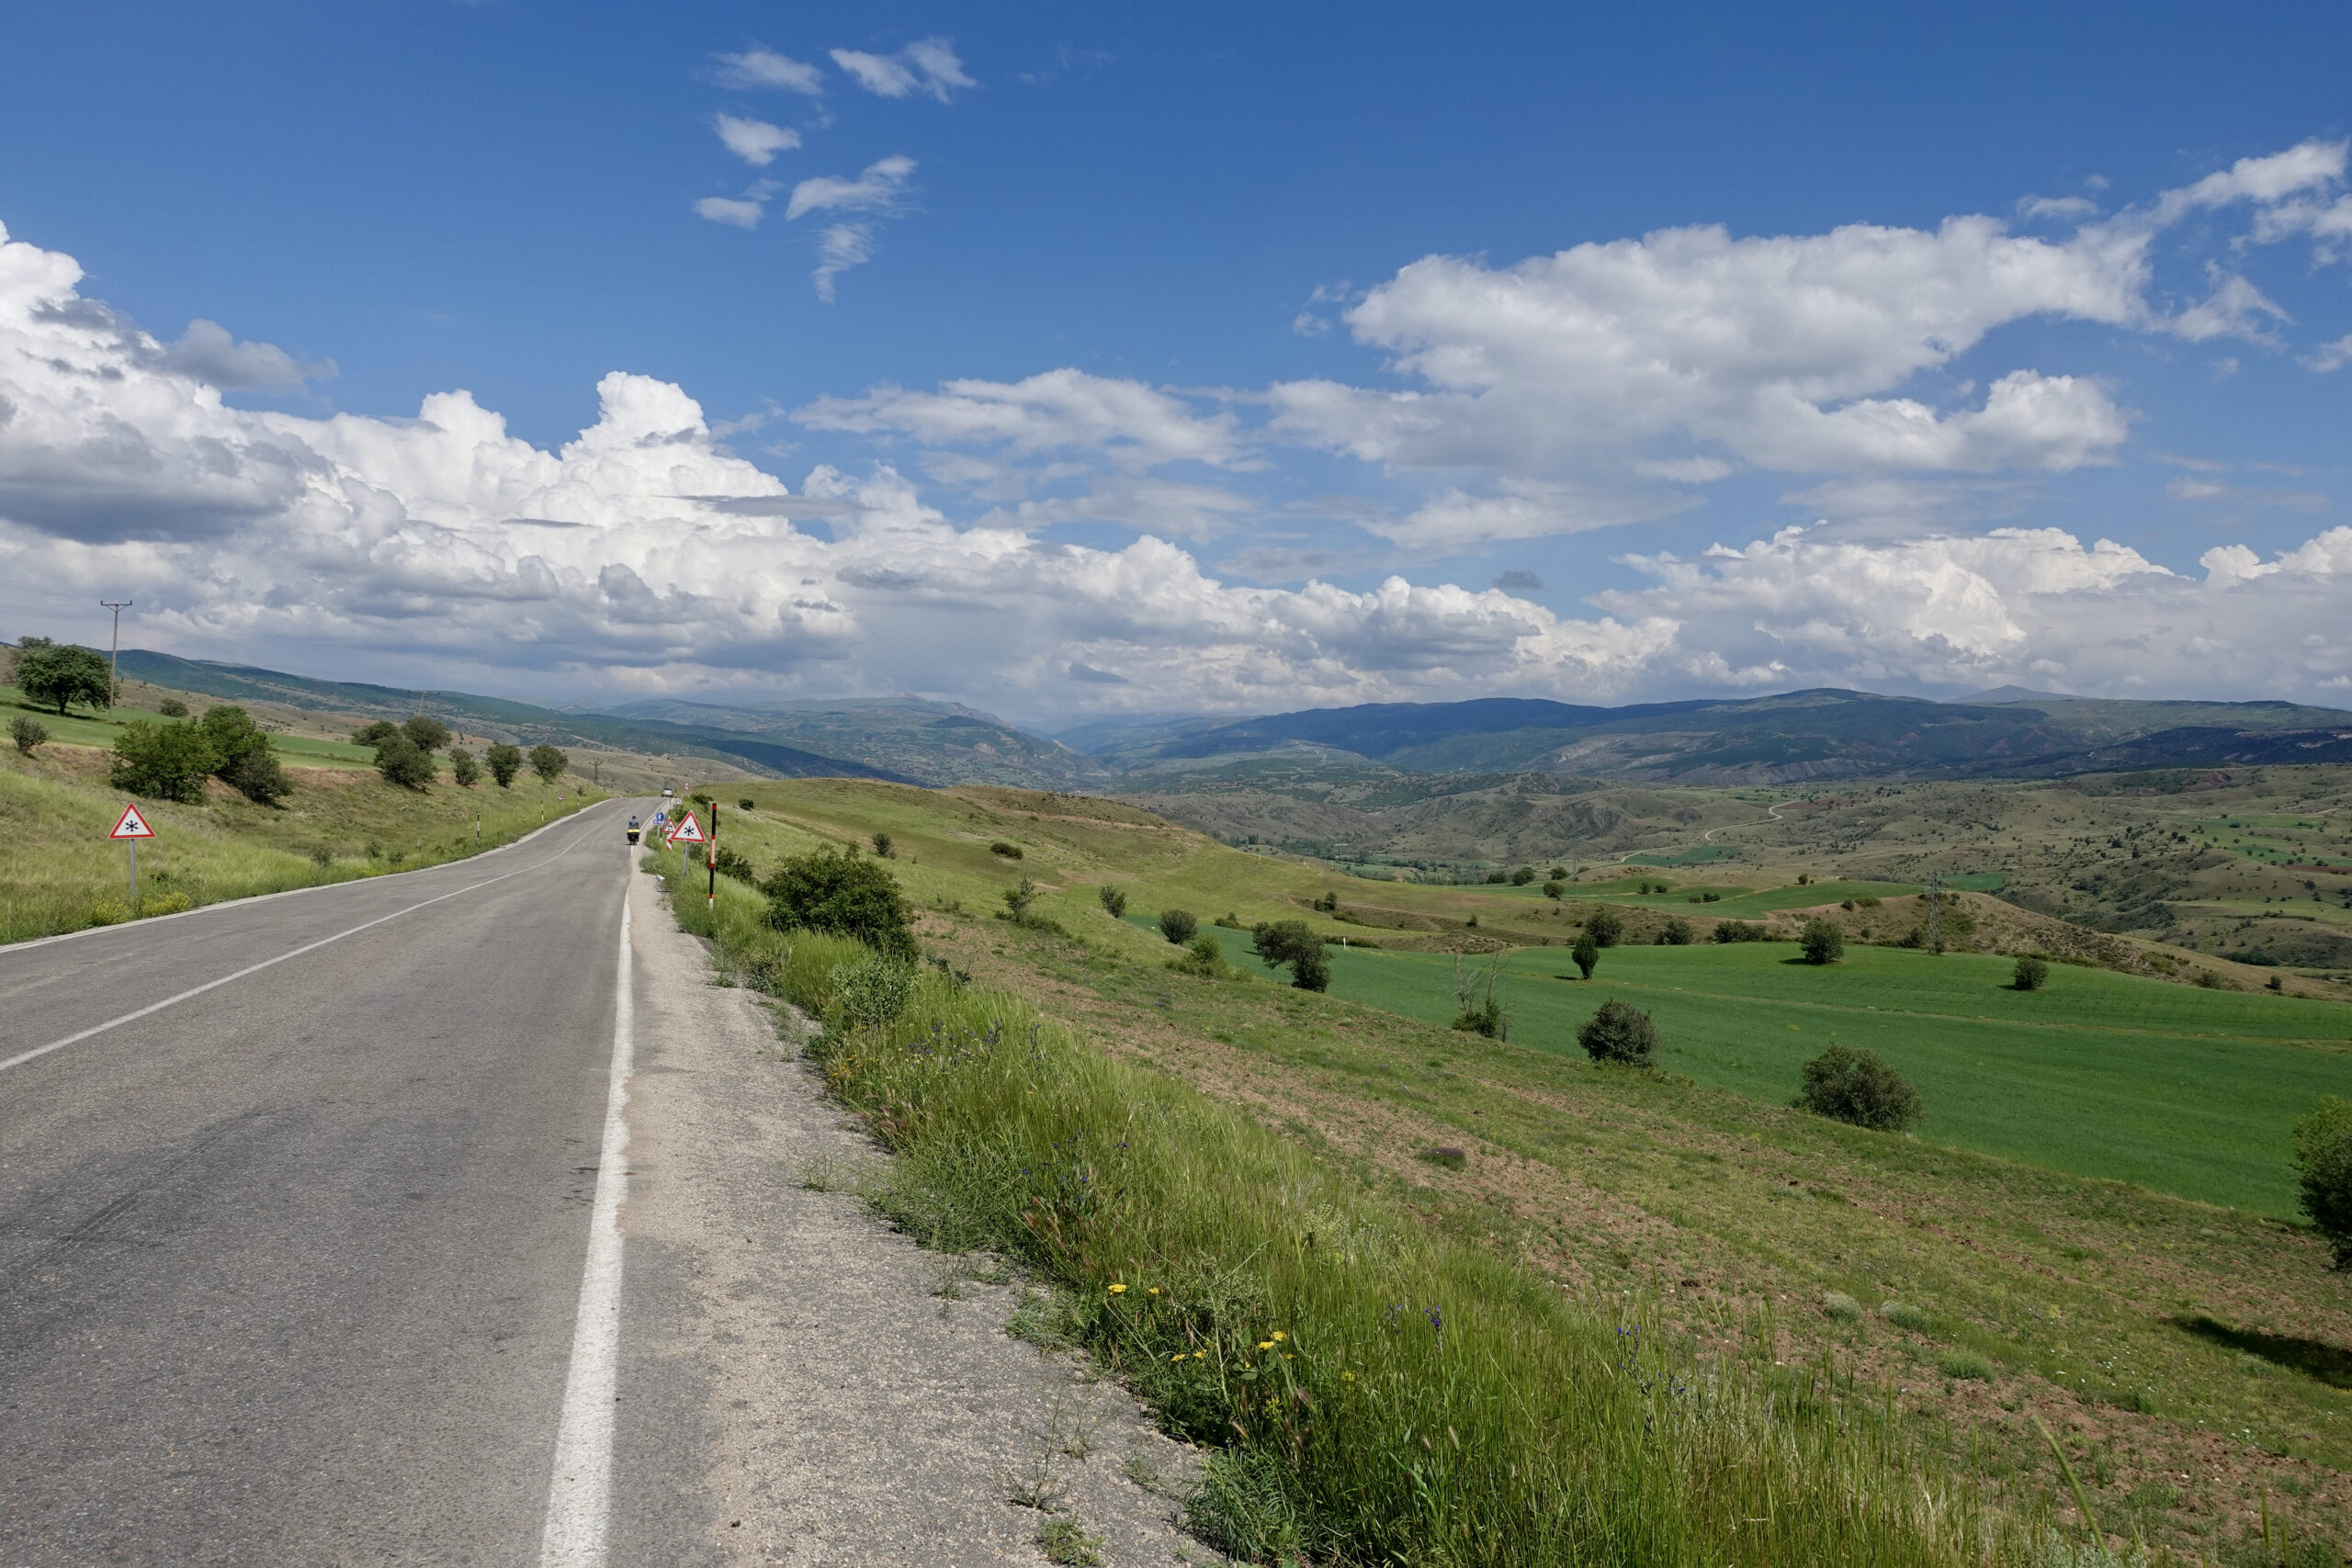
{"points": [[22, 1057], [580, 1497]]}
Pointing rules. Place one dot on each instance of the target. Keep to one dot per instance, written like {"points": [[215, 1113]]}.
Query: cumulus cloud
{"points": [[208, 354], [760, 67], [754, 140], [928, 66]]}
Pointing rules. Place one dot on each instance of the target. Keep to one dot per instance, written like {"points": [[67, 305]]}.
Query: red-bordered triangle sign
{"points": [[687, 831], [132, 825]]}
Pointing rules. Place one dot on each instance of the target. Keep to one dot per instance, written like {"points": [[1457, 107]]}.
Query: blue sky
{"points": [[1237, 247]]}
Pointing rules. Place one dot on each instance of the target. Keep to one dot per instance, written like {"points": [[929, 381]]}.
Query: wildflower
{"points": [[1265, 1344], [1347, 1377], [1177, 1356], [1200, 1355], [1279, 1336], [1118, 1290], [1152, 1292]]}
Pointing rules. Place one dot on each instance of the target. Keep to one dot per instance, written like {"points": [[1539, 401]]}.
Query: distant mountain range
{"points": [[1790, 738]]}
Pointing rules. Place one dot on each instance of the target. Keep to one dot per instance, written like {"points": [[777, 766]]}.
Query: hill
{"points": [[904, 738]]}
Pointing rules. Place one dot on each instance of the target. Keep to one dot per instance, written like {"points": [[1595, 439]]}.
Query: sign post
{"points": [[711, 900], [130, 827]]}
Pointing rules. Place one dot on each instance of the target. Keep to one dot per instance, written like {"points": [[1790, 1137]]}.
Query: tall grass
{"points": [[1375, 1392]]}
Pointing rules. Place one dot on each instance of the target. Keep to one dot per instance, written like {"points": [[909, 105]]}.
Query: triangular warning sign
{"points": [[687, 831], [132, 825]]}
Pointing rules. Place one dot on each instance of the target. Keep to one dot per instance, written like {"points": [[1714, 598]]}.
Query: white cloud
{"points": [[208, 354], [760, 67], [2059, 208], [840, 246], [928, 66], [740, 212], [878, 189], [755, 140], [1520, 509], [1130, 423], [2330, 357]]}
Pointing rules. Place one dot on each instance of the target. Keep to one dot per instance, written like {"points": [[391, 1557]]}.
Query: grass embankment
{"points": [[1377, 1389], [2193, 1360], [2185, 1091], [338, 824]]}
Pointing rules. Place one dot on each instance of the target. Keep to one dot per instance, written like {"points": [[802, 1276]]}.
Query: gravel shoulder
{"points": [[795, 1375]]}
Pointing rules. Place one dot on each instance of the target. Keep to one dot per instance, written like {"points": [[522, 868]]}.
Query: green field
{"points": [[2180, 1090]]}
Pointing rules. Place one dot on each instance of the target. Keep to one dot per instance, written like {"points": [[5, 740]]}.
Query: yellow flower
{"points": [[1265, 1344], [1200, 1355], [1177, 1356], [1118, 1290], [1153, 1291], [1279, 1336], [1347, 1377]]}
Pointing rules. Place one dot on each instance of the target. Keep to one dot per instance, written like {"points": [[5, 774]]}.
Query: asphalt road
{"points": [[289, 1268]]}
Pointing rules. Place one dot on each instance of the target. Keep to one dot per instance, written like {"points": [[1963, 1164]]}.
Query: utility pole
{"points": [[114, 658]]}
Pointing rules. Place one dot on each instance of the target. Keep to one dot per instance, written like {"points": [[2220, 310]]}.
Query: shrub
{"points": [[1018, 899], [430, 734], [1008, 849], [463, 768], [62, 674], [883, 846], [1839, 1307], [1278, 942], [28, 733], [1203, 958], [745, 806], [2324, 1171], [1903, 1314], [1178, 925], [375, 733], [1114, 899], [1858, 1086], [548, 762], [734, 863], [1487, 1018], [1523, 876], [166, 762], [1735, 931], [242, 757], [1619, 1032], [1821, 942], [2030, 975], [1327, 903], [1553, 888], [1678, 933], [1558, 874], [504, 762], [1444, 1155], [842, 894], [869, 993], [1606, 927], [1586, 954], [172, 707], [1962, 1367], [403, 761]]}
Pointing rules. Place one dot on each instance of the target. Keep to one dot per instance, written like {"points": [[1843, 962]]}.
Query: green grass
{"points": [[1374, 1390], [2185, 1091]]}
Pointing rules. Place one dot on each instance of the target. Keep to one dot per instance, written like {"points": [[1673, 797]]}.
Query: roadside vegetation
{"points": [[1883, 1315]]}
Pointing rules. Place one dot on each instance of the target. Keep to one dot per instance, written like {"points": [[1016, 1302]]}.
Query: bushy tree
{"points": [[1821, 942], [463, 768], [242, 757], [846, 894], [1018, 898], [1523, 876], [2323, 1170], [1859, 1087], [375, 734], [882, 845], [548, 762], [1676, 933], [2030, 975], [430, 734], [28, 733], [1620, 1032], [1277, 942], [1553, 888], [403, 761], [1606, 927], [1737, 931], [733, 863], [172, 707], [62, 674], [1587, 953], [1178, 925], [1115, 900], [166, 761], [504, 762]]}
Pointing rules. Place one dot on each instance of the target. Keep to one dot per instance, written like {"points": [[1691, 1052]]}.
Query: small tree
{"points": [[1858, 1086], [242, 757], [1587, 953], [1606, 927], [1678, 933], [1553, 888], [1115, 900], [1619, 1032], [403, 761], [1277, 942], [548, 762], [846, 895], [1018, 899], [166, 761], [882, 845], [463, 768], [1178, 925], [1821, 942], [2324, 1169], [504, 762], [62, 674], [2030, 975], [375, 734], [1523, 876], [172, 707], [430, 734], [28, 733], [1735, 931]]}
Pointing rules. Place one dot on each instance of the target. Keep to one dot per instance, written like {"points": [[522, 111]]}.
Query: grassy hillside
{"points": [[932, 743], [341, 823], [2193, 1358]]}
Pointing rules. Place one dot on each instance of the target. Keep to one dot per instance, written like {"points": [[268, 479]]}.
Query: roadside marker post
{"points": [[130, 827], [710, 901]]}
